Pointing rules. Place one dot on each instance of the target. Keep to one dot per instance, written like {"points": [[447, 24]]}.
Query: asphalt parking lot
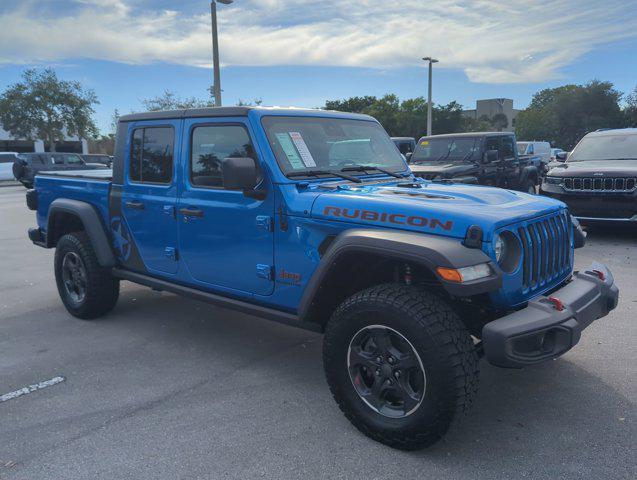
{"points": [[166, 387]]}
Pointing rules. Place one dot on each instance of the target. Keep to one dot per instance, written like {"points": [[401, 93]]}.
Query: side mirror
{"points": [[239, 173], [561, 156], [490, 156], [408, 156]]}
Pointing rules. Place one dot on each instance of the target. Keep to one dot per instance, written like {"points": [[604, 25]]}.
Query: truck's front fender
{"points": [[428, 251], [91, 222]]}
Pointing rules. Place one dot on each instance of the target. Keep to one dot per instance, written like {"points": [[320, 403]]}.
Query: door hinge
{"points": [[264, 271], [264, 222], [171, 253]]}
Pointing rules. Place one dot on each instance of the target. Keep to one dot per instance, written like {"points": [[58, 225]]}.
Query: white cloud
{"points": [[491, 40]]}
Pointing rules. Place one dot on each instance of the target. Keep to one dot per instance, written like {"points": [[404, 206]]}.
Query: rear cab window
{"points": [[151, 155]]}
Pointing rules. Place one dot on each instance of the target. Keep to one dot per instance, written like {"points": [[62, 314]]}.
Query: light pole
{"points": [[429, 104], [216, 86]]}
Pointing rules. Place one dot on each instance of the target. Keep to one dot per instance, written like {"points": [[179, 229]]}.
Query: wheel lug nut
{"points": [[379, 359], [391, 360], [397, 374], [377, 373]]}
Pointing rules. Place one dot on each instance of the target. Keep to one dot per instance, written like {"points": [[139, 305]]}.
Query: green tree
{"points": [[630, 111], [45, 107], [565, 114], [353, 104], [169, 100], [406, 118]]}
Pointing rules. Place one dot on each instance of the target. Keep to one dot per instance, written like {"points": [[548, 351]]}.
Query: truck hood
{"points": [[443, 169], [440, 209], [610, 168]]}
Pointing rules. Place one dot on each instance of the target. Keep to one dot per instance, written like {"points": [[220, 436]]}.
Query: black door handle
{"points": [[135, 205], [191, 212]]}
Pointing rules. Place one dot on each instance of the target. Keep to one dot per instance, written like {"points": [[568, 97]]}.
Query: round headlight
{"points": [[507, 251], [500, 247]]}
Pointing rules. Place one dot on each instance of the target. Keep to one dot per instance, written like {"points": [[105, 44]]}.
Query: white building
{"points": [[491, 107], [70, 144]]}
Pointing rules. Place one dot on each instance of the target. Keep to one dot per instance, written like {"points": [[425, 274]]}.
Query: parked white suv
{"points": [[6, 165]]}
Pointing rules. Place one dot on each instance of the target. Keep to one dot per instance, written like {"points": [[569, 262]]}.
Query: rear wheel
{"points": [[87, 289], [400, 365]]}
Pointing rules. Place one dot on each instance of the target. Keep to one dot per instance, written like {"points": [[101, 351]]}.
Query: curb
{"points": [[9, 183]]}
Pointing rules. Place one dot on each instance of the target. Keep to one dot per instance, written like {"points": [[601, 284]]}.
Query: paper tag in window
{"points": [[306, 156], [425, 142], [290, 151]]}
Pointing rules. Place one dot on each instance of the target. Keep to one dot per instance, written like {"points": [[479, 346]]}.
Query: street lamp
{"points": [[216, 87], [429, 104]]}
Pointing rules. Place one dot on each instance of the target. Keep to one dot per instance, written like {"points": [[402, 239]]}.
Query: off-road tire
{"points": [[441, 340], [530, 184], [102, 289]]}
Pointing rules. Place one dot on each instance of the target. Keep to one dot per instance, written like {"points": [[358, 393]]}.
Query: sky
{"points": [[305, 52]]}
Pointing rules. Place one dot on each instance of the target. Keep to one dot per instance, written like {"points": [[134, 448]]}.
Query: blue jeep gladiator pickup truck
{"points": [[313, 218]]}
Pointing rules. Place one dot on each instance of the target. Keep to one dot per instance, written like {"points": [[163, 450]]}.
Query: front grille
{"points": [[597, 184], [546, 249]]}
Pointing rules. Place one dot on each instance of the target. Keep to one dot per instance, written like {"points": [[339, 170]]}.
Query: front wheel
{"points": [[531, 187], [400, 365], [87, 289]]}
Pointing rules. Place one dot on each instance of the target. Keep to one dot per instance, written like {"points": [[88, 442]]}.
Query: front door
{"points": [[145, 231], [225, 237], [510, 161]]}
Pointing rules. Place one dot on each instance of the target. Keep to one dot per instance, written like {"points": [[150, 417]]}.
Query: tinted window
{"points": [[4, 158], [210, 146], [508, 147], [151, 158], [446, 149]]}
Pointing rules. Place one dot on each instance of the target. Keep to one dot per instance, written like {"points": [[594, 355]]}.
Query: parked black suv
{"points": [[28, 164], [598, 179], [482, 158]]}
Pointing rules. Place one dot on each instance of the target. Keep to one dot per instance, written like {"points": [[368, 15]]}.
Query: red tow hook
{"points": [[557, 303], [600, 274]]}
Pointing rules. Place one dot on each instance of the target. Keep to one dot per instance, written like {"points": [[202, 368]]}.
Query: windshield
{"points": [[605, 147], [306, 144], [522, 146], [448, 150]]}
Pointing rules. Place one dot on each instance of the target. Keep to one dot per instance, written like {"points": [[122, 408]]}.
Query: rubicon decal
{"points": [[394, 218]]}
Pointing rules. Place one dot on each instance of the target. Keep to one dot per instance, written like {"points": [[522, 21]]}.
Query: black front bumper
{"points": [[550, 326]]}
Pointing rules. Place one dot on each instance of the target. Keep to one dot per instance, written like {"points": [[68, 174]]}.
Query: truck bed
{"points": [[91, 186]]}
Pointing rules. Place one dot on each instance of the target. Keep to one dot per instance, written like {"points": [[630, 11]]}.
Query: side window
{"points": [[492, 143], [73, 160], [151, 157], [210, 145], [508, 148], [57, 159]]}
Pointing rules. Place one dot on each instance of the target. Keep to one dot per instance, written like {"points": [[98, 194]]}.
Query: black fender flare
{"points": [[430, 251], [93, 226]]}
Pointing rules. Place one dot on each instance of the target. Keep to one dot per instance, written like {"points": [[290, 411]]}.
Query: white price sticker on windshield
{"points": [[301, 146]]}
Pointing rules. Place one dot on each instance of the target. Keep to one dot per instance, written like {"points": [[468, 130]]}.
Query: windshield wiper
{"points": [[324, 172], [364, 168]]}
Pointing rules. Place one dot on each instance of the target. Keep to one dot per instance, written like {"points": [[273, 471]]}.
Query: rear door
{"points": [[509, 161], [145, 235], [490, 171], [226, 240]]}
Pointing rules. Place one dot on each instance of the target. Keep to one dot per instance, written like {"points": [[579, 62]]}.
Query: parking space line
{"points": [[31, 388]]}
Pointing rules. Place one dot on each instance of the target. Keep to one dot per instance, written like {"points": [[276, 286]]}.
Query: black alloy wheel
{"points": [[386, 371]]}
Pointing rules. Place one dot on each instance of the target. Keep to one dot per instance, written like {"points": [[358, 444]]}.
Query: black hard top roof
{"points": [[468, 134], [188, 113]]}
